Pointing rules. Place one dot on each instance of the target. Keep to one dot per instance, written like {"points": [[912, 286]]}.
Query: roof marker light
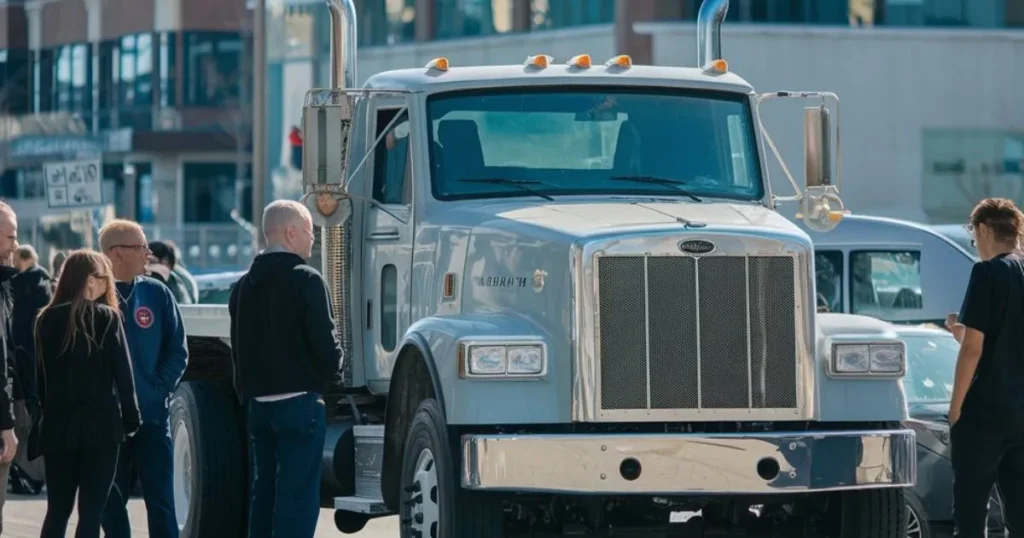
{"points": [[717, 66], [581, 60], [622, 60], [440, 63], [539, 61]]}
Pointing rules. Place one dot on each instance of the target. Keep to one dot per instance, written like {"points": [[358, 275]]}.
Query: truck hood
{"points": [[582, 218]]}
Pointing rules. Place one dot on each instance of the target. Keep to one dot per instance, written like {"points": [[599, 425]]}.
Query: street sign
{"points": [[74, 184]]}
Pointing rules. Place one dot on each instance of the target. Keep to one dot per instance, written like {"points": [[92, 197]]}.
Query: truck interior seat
{"points": [[465, 154]]}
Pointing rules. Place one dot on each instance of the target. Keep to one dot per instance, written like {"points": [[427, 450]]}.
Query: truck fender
{"points": [[415, 361]]}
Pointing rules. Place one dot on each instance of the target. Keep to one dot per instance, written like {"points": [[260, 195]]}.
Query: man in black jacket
{"points": [[8, 242], [285, 355], [32, 289]]}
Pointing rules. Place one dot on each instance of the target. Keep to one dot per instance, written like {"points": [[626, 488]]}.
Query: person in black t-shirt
{"points": [[986, 414]]}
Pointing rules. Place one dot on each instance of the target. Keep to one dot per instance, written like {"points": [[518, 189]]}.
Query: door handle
{"points": [[384, 233]]}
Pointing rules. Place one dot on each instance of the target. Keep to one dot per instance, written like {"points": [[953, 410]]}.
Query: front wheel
{"points": [[878, 513], [431, 495]]}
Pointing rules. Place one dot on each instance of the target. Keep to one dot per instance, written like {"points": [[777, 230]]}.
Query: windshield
{"points": [[602, 141], [931, 362]]}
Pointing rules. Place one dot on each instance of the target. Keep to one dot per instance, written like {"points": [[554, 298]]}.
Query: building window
{"points": [[213, 68], [73, 76], [210, 192], [387, 22], [470, 18], [550, 14], [134, 81], [15, 72]]}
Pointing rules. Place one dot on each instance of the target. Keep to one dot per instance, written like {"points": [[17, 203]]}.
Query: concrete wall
{"points": [[893, 85]]}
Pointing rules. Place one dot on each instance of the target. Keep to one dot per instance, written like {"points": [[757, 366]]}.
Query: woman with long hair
{"points": [[86, 390]]}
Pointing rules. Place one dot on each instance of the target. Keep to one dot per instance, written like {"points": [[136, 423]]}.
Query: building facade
{"points": [[156, 88]]}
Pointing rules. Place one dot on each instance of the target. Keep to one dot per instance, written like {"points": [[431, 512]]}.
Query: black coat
{"points": [[88, 397], [32, 290], [7, 273]]}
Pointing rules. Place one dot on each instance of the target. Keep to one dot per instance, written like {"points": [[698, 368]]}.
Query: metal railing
{"points": [[208, 248]]}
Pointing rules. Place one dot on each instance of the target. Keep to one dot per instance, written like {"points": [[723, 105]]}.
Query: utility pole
{"points": [[259, 107]]}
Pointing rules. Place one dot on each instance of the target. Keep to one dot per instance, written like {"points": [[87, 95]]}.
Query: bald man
{"points": [[156, 340], [285, 356], [8, 439]]}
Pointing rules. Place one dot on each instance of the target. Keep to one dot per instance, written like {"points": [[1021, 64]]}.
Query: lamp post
{"points": [[259, 107]]}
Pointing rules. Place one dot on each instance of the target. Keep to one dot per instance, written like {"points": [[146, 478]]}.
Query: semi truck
{"points": [[568, 304]]}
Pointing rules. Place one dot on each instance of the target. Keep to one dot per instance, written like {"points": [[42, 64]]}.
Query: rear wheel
{"points": [[431, 495], [917, 520], [209, 461]]}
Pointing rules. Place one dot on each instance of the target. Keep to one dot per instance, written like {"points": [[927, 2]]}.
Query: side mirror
{"points": [[326, 143], [817, 147]]}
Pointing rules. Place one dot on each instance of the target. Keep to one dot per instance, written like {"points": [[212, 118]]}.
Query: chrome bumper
{"points": [[690, 464]]}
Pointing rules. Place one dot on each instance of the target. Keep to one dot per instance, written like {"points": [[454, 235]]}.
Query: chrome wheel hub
{"points": [[424, 510]]}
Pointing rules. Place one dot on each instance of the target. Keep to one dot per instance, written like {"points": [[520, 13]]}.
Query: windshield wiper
{"points": [[518, 183], [674, 183]]}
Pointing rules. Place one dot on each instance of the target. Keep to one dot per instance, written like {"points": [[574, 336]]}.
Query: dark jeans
{"points": [[286, 445], [983, 456], [148, 453], [88, 472]]}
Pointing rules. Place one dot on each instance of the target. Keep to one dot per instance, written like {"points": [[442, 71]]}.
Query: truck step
{"points": [[361, 505]]}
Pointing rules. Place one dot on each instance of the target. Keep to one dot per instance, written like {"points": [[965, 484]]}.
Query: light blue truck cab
{"points": [[891, 269], [568, 304]]}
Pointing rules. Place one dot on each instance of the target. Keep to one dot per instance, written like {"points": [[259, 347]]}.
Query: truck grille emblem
{"points": [[696, 246]]}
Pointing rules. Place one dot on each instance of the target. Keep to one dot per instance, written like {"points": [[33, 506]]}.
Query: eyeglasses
{"points": [[133, 247]]}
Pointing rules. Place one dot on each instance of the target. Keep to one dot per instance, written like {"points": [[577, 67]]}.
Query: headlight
{"points": [[882, 359], [502, 359]]}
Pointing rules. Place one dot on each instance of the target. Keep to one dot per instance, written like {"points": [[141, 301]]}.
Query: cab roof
{"points": [[428, 80]]}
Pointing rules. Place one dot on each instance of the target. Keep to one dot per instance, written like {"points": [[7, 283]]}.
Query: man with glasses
{"points": [[156, 340]]}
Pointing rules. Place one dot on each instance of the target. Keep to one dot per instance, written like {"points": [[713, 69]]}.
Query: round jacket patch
{"points": [[143, 317]]}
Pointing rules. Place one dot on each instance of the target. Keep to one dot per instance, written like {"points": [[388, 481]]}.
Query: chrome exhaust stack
{"points": [[709, 31], [327, 118]]}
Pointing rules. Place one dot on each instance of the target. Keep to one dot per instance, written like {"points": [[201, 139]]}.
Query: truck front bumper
{"points": [[690, 464]]}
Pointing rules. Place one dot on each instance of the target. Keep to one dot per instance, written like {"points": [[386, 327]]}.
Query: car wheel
{"points": [[917, 521]]}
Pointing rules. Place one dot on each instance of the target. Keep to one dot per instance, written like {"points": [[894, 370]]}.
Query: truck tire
{"points": [[209, 461], [431, 494], [878, 513]]}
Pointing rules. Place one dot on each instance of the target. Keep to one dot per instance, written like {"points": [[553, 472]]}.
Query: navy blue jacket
{"points": [[156, 339]]}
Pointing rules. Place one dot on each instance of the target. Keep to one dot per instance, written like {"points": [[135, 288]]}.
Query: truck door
{"points": [[387, 250]]}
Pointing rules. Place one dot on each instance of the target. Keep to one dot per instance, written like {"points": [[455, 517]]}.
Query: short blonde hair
{"points": [[111, 233]]}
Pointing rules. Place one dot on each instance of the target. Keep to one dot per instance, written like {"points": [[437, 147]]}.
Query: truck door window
{"points": [[392, 167], [883, 281], [388, 307], [828, 269]]}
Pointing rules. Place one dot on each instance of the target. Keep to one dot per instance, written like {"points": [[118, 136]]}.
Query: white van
{"points": [[895, 270]]}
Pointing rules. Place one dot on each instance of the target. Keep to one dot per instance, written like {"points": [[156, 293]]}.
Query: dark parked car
{"points": [[215, 288], [931, 361]]}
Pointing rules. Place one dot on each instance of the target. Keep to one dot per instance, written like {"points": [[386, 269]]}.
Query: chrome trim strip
{"points": [[696, 323], [647, 328], [750, 369], [701, 464]]}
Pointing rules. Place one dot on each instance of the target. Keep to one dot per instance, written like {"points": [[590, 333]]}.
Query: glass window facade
{"points": [[211, 191], [551, 14], [15, 73], [213, 68], [472, 18], [909, 13], [387, 22]]}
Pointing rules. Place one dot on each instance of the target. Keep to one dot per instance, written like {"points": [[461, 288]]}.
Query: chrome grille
{"points": [[678, 332]]}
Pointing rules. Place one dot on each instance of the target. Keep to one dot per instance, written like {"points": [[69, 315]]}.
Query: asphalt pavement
{"points": [[23, 518]]}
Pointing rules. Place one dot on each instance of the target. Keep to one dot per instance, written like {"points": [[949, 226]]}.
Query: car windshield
{"points": [[931, 362], [605, 141]]}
